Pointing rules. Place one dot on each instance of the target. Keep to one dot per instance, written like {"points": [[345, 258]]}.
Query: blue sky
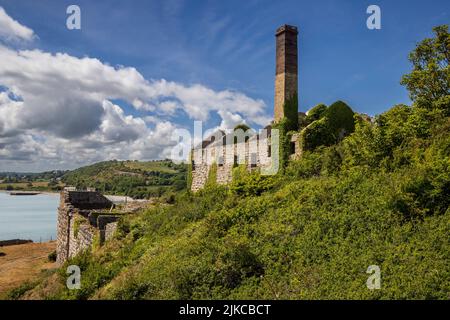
{"points": [[230, 45]]}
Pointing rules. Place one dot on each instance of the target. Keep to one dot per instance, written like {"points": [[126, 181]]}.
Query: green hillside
{"points": [[380, 196], [132, 178]]}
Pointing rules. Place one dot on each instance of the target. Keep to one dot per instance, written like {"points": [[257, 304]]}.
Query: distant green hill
{"points": [[131, 178]]}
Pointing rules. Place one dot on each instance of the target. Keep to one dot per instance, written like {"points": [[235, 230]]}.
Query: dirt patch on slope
{"points": [[22, 263]]}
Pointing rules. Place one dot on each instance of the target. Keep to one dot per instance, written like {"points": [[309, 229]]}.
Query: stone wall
{"points": [[254, 153], [199, 176], [224, 174], [65, 213], [82, 217], [295, 139], [87, 200], [80, 238]]}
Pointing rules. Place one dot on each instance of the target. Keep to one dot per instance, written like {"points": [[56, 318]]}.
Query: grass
{"points": [[149, 166]]}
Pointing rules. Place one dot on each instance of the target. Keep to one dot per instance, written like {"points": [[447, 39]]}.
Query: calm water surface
{"points": [[28, 217]]}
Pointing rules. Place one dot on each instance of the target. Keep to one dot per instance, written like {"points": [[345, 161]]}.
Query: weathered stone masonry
{"points": [[82, 216], [286, 74], [254, 153]]}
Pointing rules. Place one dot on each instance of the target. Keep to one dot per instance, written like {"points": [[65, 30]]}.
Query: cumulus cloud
{"points": [[63, 108], [11, 30], [116, 127]]}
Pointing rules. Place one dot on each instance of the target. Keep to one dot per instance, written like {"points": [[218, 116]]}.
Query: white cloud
{"points": [[53, 85], [138, 104], [230, 120], [11, 30], [169, 107], [59, 110], [117, 127]]}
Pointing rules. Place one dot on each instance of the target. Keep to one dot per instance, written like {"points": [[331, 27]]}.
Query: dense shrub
{"points": [[250, 184], [341, 119], [52, 256], [332, 125], [316, 112], [317, 134], [211, 181]]}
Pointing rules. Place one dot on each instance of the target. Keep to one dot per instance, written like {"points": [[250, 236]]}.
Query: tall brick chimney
{"points": [[286, 79]]}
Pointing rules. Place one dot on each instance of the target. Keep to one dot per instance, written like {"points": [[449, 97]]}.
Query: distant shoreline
{"points": [[13, 242], [30, 191], [18, 242], [24, 193]]}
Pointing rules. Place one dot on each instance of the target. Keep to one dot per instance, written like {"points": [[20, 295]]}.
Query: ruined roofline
{"points": [[207, 143], [286, 28]]}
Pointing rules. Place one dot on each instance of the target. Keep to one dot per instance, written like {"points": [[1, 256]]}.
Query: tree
{"points": [[429, 82]]}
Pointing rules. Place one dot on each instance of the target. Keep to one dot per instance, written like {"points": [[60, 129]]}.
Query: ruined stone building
{"points": [[83, 217], [226, 150]]}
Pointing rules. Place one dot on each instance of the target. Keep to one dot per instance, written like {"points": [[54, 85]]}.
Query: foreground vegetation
{"points": [[380, 196]]}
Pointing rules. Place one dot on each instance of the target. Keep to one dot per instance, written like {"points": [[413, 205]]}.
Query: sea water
{"points": [[28, 217]]}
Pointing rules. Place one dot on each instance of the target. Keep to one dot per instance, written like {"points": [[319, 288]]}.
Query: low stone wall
{"points": [[87, 200], [80, 239], [65, 213], [80, 221], [224, 174], [199, 176]]}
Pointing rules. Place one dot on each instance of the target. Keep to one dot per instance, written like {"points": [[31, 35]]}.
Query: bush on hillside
{"points": [[341, 119], [316, 112], [52, 256], [250, 183], [336, 122]]}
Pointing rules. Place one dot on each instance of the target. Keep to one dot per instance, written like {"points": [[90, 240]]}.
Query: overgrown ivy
{"points": [[290, 108], [189, 174], [284, 143], [332, 125], [211, 181]]}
